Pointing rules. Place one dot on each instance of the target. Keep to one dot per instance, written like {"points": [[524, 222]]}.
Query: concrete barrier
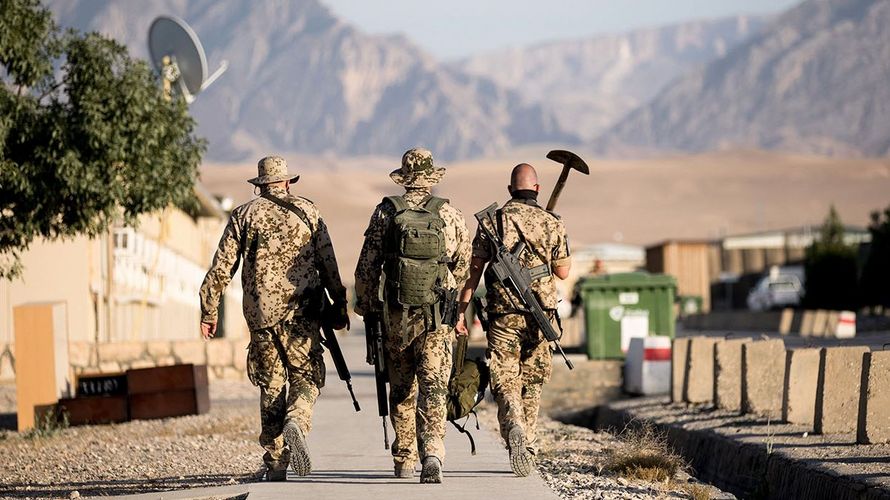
{"points": [[807, 320], [820, 324], [801, 378], [679, 354], [837, 391], [874, 399], [763, 377], [728, 374], [805, 323], [699, 386], [786, 321]]}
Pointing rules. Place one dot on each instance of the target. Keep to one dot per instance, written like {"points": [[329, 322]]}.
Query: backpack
{"points": [[466, 389], [415, 259]]}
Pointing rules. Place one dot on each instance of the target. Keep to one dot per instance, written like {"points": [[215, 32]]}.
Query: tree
{"points": [[875, 280], [830, 267], [86, 135]]}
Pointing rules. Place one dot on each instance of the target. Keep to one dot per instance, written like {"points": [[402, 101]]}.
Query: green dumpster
{"points": [[618, 307]]}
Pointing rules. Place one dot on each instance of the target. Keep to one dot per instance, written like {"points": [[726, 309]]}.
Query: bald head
{"points": [[523, 177]]}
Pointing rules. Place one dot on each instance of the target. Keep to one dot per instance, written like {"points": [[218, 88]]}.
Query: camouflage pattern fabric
{"points": [[417, 170], [418, 356], [282, 261], [545, 235], [285, 361], [418, 376], [521, 362], [519, 357]]}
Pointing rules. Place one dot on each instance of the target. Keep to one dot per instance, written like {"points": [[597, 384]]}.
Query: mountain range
{"points": [[815, 80], [591, 83], [300, 80]]}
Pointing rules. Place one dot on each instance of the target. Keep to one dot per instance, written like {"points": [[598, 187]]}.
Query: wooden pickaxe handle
{"points": [[557, 189]]}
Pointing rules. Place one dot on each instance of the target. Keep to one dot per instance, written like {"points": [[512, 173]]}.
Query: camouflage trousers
{"points": [[520, 361], [285, 361], [418, 364]]}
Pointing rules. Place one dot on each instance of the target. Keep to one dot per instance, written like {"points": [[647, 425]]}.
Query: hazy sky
{"points": [[455, 28]]}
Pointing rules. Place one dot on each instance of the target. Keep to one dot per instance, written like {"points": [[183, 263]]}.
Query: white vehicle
{"points": [[781, 287]]}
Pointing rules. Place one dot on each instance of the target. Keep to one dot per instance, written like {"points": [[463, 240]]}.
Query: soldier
{"points": [[519, 355], [419, 266], [288, 262]]}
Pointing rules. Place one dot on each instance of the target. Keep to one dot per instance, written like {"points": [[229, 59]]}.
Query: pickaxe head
{"points": [[569, 160]]}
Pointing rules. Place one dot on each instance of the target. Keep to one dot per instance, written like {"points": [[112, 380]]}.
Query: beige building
{"points": [[693, 263], [131, 294]]}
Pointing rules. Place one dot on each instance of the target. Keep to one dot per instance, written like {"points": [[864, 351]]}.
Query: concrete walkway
{"points": [[349, 460]]}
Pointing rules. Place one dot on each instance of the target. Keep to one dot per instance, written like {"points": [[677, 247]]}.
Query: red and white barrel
{"points": [[846, 325], [647, 367]]}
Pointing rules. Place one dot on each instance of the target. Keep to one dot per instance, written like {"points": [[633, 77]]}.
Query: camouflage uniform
{"points": [[519, 355], [284, 266], [418, 357]]}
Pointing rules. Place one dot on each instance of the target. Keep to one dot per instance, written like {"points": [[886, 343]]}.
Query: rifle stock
{"points": [[510, 273]]}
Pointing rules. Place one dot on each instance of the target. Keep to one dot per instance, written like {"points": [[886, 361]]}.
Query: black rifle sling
{"points": [[290, 207]]}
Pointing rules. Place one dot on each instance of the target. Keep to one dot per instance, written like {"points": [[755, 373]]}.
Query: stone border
{"points": [[739, 463]]}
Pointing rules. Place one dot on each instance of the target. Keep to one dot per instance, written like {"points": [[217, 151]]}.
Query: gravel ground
{"points": [[214, 449], [571, 461]]}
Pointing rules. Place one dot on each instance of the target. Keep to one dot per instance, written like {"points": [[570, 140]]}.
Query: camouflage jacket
{"points": [[283, 261], [370, 261], [547, 243]]}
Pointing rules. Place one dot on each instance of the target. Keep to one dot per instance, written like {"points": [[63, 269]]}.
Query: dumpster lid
{"points": [[628, 280]]}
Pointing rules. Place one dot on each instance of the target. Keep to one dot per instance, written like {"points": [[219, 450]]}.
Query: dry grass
{"points": [[644, 454], [697, 491]]}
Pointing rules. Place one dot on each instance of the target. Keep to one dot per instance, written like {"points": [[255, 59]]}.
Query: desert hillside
{"points": [[813, 81], [639, 202]]}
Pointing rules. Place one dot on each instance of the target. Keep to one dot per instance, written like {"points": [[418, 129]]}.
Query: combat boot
{"points": [[299, 450], [404, 470], [521, 461], [276, 470], [431, 472], [275, 475]]}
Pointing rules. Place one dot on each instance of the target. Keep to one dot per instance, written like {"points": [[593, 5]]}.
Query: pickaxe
{"points": [[569, 161]]}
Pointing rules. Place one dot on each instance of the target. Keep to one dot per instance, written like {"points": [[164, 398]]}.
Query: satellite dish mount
{"points": [[178, 56]]}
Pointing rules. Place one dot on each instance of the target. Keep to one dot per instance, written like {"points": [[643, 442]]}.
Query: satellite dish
{"points": [[178, 56]]}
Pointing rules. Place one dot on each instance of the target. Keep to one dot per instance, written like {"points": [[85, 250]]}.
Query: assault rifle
{"points": [[516, 278], [329, 340], [374, 338]]}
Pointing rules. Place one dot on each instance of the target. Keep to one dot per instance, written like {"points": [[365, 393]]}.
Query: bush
{"points": [[87, 136], [644, 454], [831, 268], [875, 280]]}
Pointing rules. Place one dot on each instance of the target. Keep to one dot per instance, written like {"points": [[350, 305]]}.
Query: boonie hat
{"points": [[272, 169], [417, 169]]}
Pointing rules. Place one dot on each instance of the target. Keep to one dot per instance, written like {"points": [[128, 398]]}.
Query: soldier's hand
{"points": [[341, 325], [208, 330], [340, 319], [461, 327]]}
